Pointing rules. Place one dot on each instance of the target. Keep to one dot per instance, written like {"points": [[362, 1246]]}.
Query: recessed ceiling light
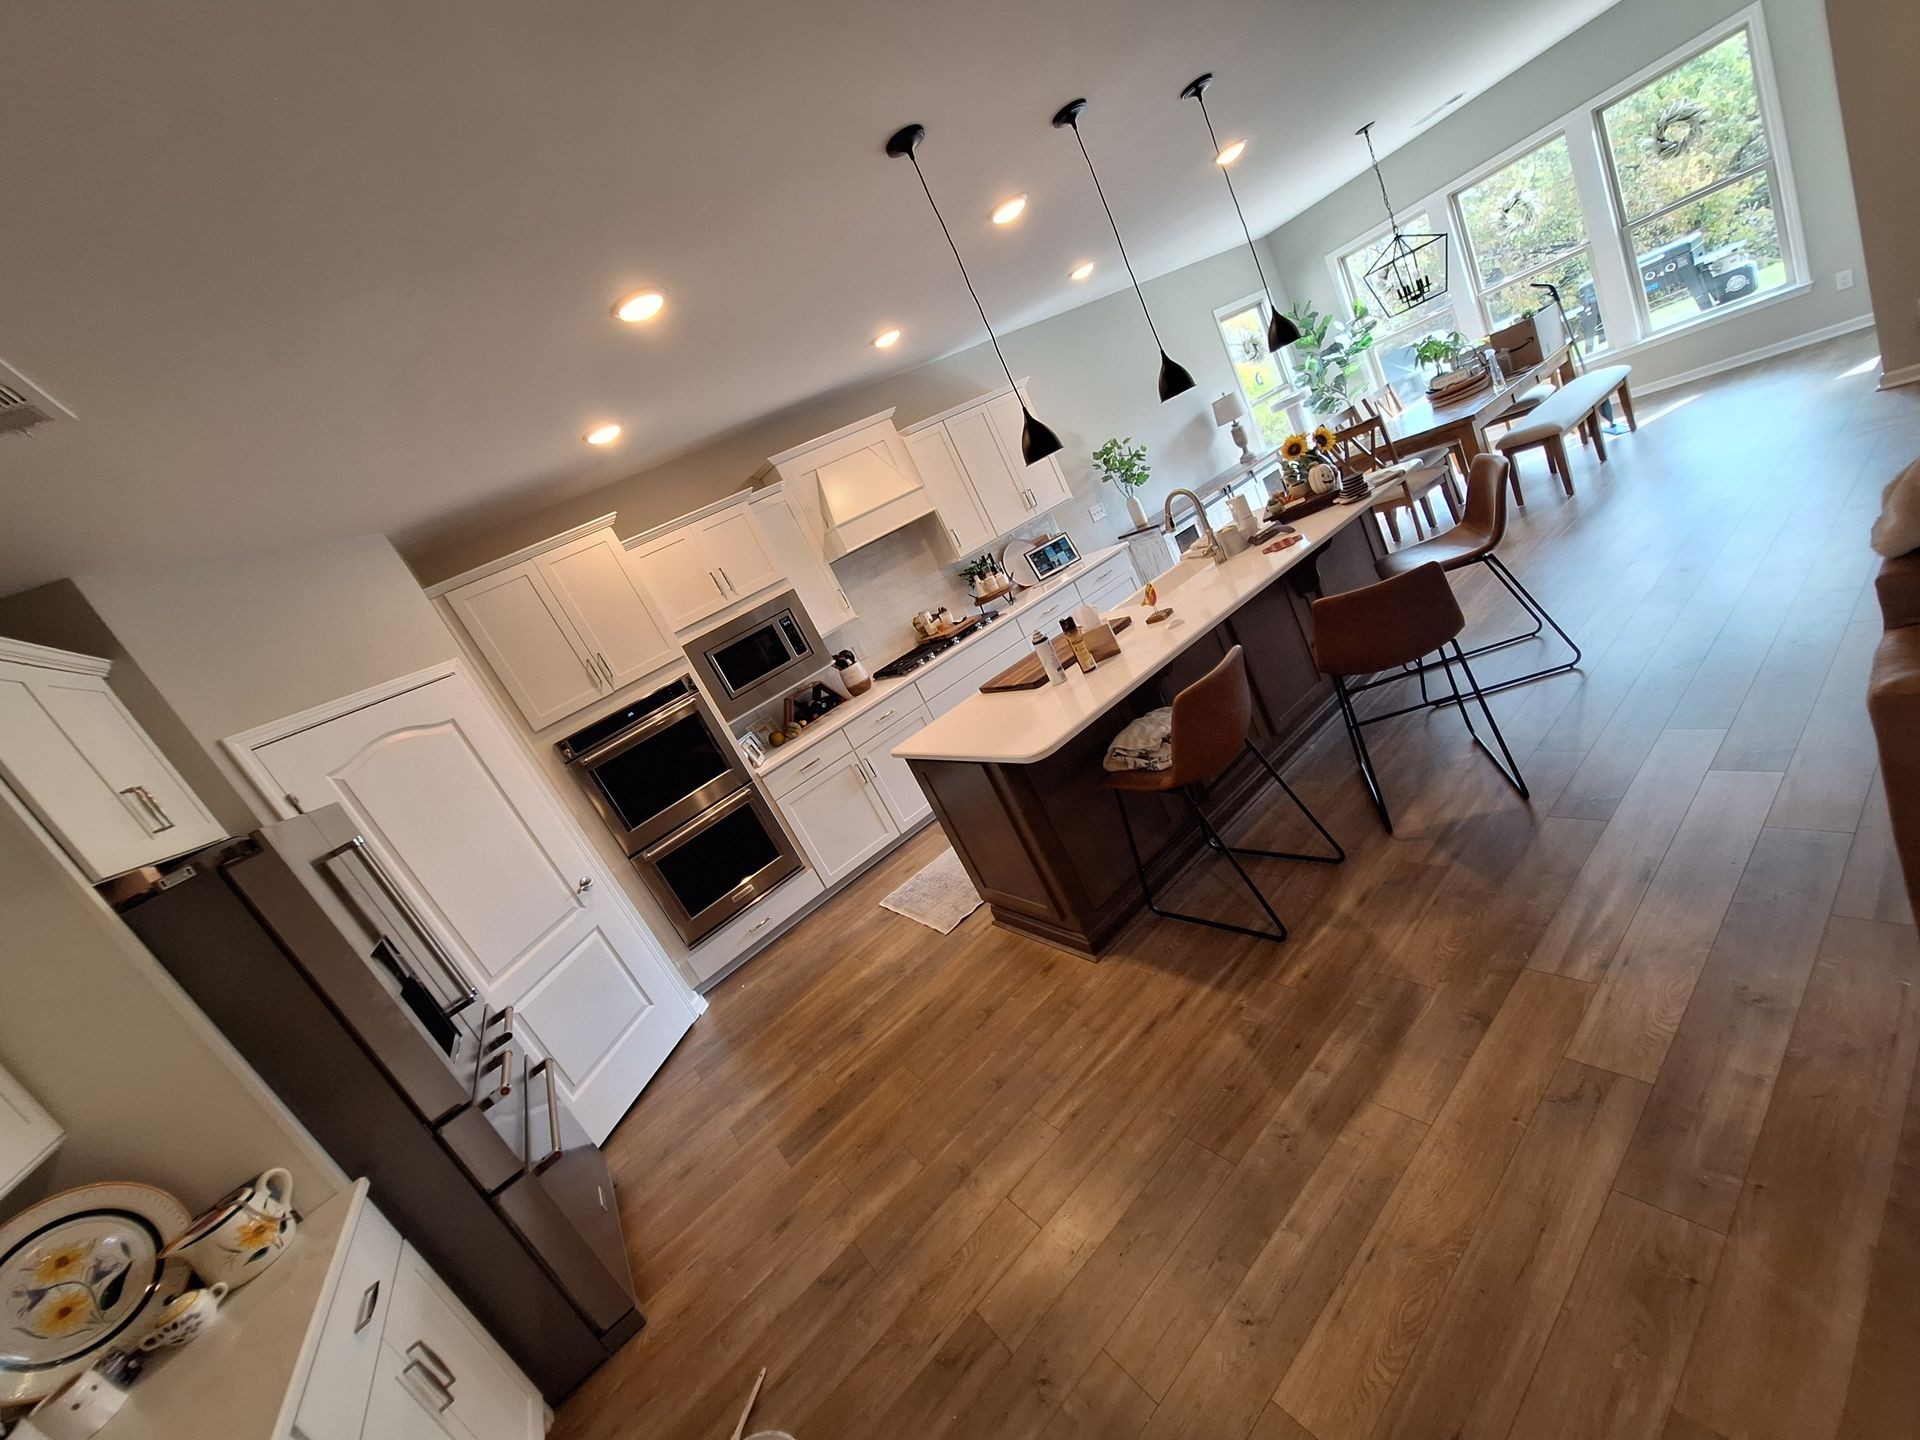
{"points": [[1008, 210], [1081, 271], [643, 306], [602, 434], [1230, 152], [886, 340]]}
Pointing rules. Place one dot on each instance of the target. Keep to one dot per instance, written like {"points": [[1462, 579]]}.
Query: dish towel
{"points": [[1146, 743]]}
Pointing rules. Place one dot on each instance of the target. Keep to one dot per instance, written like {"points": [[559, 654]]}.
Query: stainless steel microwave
{"points": [[758, 655]]}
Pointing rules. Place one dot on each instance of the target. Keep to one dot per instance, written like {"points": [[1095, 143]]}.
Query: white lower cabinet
{"points": [[840, 818], [904, 799], [467, 1377]]}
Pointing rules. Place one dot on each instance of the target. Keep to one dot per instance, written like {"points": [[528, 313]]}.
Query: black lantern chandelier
{"points": [[1281, 332], [1037, 441], [1412, 269], [1174, 379]]}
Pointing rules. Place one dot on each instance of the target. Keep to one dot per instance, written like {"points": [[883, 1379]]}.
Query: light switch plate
{"points": [[1096, 512]]}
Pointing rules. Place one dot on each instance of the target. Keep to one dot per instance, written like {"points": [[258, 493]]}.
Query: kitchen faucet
{"points": [[1206, 525]]}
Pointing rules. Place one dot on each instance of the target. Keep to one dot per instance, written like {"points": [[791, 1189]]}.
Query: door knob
{"points": [[586, 884]]}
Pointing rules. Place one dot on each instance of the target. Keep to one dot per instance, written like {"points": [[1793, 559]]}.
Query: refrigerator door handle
{"points": [[464, 989]]}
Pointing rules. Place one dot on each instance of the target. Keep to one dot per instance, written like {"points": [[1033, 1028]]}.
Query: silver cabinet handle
{"points": [[587, 665], [844, 602], [953, 535], [728, 579], [147, 803], [555, 1147], [166, 821], [878, 718], [426, 1371], [368, 1303], [810, 764], [612, 684], [714, 576], [585, 884], [434, 1368]]}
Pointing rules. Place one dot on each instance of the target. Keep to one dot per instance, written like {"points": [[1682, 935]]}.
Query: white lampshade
{"points": [[1229, 408]]}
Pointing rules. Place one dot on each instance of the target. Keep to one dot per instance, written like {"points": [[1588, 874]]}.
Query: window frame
{"points": [[1616, 277], [1290, 398], [1353, 292]]}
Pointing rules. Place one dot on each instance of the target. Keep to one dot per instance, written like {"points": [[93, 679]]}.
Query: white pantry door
{"points": [[444, 795]]}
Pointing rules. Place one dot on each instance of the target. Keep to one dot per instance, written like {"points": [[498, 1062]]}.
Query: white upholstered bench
{"points": [[1574, 406]]}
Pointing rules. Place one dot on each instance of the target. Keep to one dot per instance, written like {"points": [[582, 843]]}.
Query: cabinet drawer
{"points": [[818, 756], [752, 926], [1115, 570], [484, 1391], [863, 727], [1046, 615], [333, 1406]]}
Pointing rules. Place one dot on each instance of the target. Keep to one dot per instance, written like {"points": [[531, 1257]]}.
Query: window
{"points": [[1395, 336], [1693, 170], [1264, 382], [1524, 226]]}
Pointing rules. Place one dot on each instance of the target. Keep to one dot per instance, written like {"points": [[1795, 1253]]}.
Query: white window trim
{"points": [[1292, 399], [1616, 282]]}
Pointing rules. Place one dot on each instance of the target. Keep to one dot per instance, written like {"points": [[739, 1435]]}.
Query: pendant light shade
{"points": [[1174, 379], [1037, 441], [1411, 269], [1281, 332]]}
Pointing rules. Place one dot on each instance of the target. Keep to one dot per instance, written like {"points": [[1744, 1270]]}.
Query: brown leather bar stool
{"points": [[1394, 623], [1474, 542], [1212, 724]]}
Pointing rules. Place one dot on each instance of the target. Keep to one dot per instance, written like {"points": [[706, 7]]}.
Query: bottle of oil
{"points": [[1077, 642]]}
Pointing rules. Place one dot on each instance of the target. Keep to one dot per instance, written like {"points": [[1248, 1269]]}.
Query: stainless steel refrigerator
{"points": [[302, 950]]}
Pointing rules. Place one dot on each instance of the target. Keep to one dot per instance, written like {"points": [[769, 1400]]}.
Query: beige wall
{"points": [[232, 643], [1623, 40], [1876, 53], [100, 1035]]}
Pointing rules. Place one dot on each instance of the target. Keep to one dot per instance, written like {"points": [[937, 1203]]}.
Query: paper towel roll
{"points": [[1242, 513]]}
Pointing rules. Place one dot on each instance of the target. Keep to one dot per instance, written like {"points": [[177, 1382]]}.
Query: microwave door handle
{"points": [[464, 989]]}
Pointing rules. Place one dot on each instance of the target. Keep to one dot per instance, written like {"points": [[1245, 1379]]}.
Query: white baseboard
{"points": [[1765, 352], [1894, 379]]}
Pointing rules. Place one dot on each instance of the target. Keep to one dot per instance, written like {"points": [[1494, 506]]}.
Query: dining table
{"points": [[1461, 421]]}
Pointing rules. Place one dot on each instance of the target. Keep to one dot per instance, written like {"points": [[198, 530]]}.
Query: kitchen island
{"points": [[1014, 778]]}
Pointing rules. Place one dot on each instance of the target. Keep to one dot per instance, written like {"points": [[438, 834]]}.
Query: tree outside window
{"points": [[1693, 167], [1264, 382], [1524, 227]]}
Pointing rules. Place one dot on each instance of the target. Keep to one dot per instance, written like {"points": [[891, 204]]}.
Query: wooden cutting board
{"points": [[1027, 673]]}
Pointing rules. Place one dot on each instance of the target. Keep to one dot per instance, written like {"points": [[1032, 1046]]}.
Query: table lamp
{"points": [[1231, 410]]}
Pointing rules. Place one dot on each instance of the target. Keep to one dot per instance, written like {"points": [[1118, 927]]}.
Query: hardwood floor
{"points": [[1593, 1116]]}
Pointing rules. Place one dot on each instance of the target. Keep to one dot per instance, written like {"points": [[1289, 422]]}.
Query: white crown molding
{"points": [[46, 657], [526, 552]]}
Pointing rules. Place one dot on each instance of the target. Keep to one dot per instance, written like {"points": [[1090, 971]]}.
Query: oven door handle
{"points": [[652, 725], [704, 821]]}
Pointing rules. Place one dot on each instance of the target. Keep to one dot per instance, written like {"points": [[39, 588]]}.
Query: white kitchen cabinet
{"points": [[962, 516], [704, 564], [803, 567], [470, 1380], [598, 590], [82, 763], [28, 1135], [1002, 494], [905, 801], [840, 818], [1043, 482]]}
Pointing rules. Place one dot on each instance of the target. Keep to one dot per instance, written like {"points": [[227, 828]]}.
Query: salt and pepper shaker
{"points": [[1049, 662]]}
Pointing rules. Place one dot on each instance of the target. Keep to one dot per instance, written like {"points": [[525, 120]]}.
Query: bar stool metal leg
{"points": [[1504, 761], [1276, 934], [1357, 738]]}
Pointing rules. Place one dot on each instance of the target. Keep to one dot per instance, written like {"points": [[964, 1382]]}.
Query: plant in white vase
{"points": [[1124, 463]]}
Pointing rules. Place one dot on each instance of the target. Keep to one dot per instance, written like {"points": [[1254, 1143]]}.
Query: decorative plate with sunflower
{"points": [[79, 1272]]}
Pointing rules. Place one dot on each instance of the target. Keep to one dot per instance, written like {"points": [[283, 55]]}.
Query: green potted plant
{"points": [[1441, 350], [1328, 356], [984, 577], [1124, 463]]}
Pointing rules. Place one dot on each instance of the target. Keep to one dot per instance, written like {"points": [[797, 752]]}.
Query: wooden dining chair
{"points": [[1366, 445], [1387, 404]]}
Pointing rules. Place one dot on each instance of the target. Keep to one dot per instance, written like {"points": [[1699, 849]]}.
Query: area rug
{"points": [[939, 897]]}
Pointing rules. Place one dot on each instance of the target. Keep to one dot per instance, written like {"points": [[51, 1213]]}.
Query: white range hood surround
{"points": [[853, 486]]}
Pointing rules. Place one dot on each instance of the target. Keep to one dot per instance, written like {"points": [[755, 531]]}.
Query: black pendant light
{"points": [[1413, 268], [1281, 332], [1174, 379], [1037, 441]]}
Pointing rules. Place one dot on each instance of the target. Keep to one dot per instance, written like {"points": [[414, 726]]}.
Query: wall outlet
{"points": [[1843, 280], [1096, 512]]}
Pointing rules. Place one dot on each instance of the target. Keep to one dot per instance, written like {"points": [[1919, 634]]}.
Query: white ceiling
{"points": [[331, 267]]}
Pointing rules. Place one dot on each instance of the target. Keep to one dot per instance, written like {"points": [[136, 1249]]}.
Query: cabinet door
{"points": [[406, 1403], [681, 578], [840, 820], [602, 597], [961, 514], [810, 576], [739, 553], [1044, 484], [905, 800], [1002, 495], [530, 643], [92, 775], [491, 1399]]}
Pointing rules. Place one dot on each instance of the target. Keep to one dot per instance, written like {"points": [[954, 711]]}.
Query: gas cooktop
{"points": [[929, 650]]}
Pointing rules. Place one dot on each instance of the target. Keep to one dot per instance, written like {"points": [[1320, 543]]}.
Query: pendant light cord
{"points": [[1114, 225], [992, 339], [1366, 134], [1233, 195]]}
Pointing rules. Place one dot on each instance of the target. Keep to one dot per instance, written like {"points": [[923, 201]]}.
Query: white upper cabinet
{"points": [[86, 768], [1002, 493], [1044, 483], [962, 516], [601, 596], [821, 595], [562, 626], [703, 565]]}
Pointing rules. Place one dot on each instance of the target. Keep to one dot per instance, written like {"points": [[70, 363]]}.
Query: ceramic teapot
{"points": [[242, 1234]]}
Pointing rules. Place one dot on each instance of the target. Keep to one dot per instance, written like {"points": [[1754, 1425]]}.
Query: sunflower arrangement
{"points": [[1300, 453]]}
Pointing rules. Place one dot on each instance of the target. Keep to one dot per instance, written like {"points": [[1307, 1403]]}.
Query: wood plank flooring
{"points": [[1590, 1116]]}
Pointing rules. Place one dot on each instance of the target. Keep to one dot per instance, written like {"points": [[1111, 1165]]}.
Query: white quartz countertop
{"points": [[1022, 726], [881, 689]]}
